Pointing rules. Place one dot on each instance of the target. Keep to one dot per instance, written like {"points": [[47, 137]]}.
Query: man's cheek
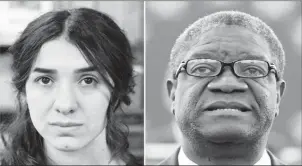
{"points": [[267, 107], [262, 93], [186, 104]]}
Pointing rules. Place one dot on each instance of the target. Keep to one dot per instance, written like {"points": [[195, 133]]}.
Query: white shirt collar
{"points": [[184, 160]]}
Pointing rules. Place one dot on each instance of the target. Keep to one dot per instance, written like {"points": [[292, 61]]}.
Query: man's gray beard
{"points": [[199, 144]]}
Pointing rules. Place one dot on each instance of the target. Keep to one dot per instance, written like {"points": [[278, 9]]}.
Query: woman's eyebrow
{"points": [[44, 70], [53, 71], [85, 69]]}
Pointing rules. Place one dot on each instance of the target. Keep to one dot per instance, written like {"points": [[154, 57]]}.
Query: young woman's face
{"points": [[67, 98]]}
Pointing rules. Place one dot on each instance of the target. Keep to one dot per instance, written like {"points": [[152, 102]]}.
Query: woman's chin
{"points": [[67, 144]]}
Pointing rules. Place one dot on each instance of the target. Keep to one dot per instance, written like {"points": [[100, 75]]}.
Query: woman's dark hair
{"points": [[103, 45]]}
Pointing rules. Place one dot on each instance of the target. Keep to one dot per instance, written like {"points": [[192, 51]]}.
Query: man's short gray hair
{"points": [[224, 18]]}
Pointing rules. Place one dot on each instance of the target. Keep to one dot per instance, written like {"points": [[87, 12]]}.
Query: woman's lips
{"points": [[66, 124]]}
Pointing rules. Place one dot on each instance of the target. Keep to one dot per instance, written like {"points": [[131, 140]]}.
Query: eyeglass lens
{"points": [[243, 68]]}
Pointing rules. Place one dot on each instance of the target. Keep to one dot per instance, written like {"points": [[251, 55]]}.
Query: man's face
{"points": [[66, 97], [192, 96]]}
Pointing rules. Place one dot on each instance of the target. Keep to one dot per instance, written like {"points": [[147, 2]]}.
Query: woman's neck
{"points": [[96, 152]]}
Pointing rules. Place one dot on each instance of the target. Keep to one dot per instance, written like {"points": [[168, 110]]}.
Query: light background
{"points": [[165, 21], [15, 15]]}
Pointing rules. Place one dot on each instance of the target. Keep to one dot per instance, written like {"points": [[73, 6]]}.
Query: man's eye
{"points": [[202, 69], [88, 81], [254, 71], [44, 81]]}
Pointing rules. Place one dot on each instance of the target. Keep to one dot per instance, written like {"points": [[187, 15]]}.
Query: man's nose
{"points": [[227, 82], [65, 101]]}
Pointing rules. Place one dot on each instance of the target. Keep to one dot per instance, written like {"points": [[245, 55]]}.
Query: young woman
{"points": [[72, 71]]}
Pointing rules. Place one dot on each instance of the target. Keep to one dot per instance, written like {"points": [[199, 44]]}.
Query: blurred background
{"points": [[15, 15], [165, 21]]}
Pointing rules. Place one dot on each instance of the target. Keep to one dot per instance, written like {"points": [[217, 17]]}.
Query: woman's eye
{"points": [[44, 81], [88, 81]]}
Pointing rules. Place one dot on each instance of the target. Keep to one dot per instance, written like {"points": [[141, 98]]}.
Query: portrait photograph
{"points": [[223, 82], [71, 83], [150, 82]]}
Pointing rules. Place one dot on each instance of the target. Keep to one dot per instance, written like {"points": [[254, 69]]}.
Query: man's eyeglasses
{"points": [[241, 68]]}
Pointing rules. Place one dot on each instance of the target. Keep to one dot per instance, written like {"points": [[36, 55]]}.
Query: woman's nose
{"points": [[65, 101]]}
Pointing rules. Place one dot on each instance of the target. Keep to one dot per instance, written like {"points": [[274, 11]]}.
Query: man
{"points": [[225, 88]]}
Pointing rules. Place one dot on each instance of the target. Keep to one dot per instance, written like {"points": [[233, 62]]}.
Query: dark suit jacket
{"points": [[173, 159]]}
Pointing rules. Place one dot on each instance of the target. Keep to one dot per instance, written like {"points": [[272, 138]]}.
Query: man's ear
{"points": [[280, 91], [171, 87]]}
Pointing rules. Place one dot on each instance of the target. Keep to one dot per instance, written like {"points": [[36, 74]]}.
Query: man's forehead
{"points": [[231, 32], [229, 41]]}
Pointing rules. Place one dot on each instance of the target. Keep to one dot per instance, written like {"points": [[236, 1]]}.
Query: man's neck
{"points": [[96, 152], [208, 153]]}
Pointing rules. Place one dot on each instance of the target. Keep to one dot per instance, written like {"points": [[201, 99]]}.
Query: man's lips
{"points": [[221, 105]]}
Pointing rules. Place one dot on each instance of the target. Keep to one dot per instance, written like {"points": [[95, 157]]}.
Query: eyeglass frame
{"points": [[271, 66]]}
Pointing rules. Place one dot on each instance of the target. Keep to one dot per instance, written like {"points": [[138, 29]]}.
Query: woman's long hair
{"points": [[104, 45]]}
